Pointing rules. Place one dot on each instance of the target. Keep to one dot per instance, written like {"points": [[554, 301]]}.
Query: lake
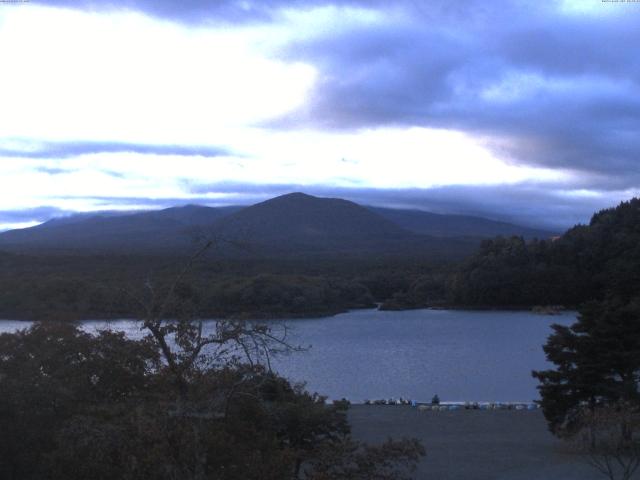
{"points": [[369, 354]]}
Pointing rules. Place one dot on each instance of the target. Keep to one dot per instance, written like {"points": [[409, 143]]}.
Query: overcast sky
{"points": [[526, 111]]}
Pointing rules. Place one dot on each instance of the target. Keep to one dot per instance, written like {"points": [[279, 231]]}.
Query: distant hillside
{"points": [[292, 224], [438, 225], [169, 228]]}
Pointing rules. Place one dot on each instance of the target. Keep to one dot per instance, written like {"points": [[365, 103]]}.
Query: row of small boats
{"points": [[477, 406], [452, 406]]}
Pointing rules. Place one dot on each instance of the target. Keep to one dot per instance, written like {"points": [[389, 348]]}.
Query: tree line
{"points": [[76, 287], [587, 263]]}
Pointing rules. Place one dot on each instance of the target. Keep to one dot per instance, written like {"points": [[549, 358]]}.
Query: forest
{"points": [[505, 272], [587, 263], [73, 287]]}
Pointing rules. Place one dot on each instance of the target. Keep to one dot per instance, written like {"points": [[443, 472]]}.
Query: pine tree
{"points": [[597, 362]]}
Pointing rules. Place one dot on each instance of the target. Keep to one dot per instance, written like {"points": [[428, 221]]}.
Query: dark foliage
{"points": [[54, 372], [584, 264], [75, 287], [420, 291], [597, 363], [77, 406]]}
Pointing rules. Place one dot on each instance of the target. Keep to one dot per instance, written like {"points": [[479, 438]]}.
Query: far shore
{"points": [[105, 317]]}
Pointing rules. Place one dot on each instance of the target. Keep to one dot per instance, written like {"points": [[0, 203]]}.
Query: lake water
{"points": [[370, 354]]}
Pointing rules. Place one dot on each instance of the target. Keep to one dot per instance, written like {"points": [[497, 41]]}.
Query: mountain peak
{"points": [[300, 219], [189, 206], [294, 197]]}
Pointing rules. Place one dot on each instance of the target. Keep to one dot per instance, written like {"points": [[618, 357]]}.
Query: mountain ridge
{"points": [[291, 222], [448, 225]]}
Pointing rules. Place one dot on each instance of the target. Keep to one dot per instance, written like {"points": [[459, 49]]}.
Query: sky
{"points": [[518, 110]]}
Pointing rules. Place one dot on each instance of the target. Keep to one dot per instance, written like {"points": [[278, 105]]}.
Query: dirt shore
{"points": [[475, 444]]}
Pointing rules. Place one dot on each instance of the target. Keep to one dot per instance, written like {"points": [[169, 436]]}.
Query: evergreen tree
{"points": [[586, 263], [597, 362]]}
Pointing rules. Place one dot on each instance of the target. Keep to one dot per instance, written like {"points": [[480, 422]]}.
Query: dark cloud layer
{"points": [[61, 150], [548, 87]]}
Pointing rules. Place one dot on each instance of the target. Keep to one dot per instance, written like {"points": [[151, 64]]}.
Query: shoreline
{"points": [[451, 405], [315, 315]]}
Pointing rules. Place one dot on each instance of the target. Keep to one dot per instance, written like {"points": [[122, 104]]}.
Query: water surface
{"points": [[370, 354]]}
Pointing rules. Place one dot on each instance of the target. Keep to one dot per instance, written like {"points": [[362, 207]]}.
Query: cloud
{"points": [[62, 150], [546, 86], [20, 218], [31, 214], [51, 170], [204, 11], [192, 11], [129, 78]]}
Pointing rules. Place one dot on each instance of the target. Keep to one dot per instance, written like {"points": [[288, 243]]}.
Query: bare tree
{"points": [[191, 348], [609, 439], [188, 345]]}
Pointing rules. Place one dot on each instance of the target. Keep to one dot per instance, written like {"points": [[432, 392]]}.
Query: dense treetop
{"points": [[586, 263]]}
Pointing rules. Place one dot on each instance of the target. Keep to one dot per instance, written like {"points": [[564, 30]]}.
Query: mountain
{"points": [[295, 223], [301, 221], [438, 225], [169, 228]]}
